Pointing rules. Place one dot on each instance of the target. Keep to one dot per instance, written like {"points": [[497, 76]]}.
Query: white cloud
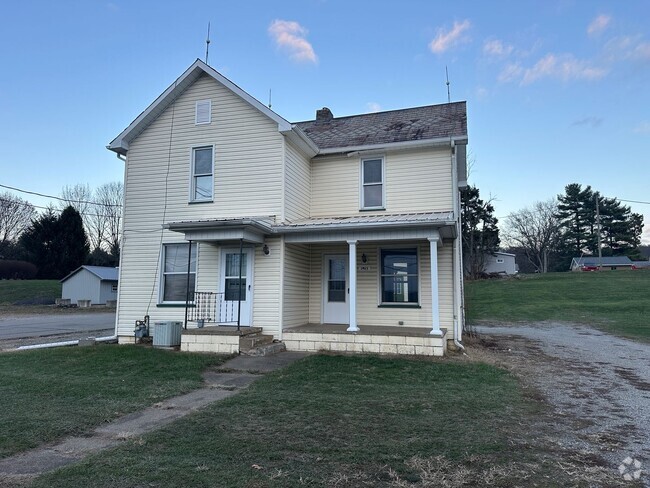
{"points": [[643, 128], [626, 48], [599, 24], [447, 39], [373, 107], [511, 72], [290, 36], [497, 48], [563, 67], [590, 121]]}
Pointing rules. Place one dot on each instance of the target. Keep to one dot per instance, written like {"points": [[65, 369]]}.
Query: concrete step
{"points": [[265, 350], [254, 340]]}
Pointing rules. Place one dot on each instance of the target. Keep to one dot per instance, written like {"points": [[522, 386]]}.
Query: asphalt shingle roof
{"points": [[607, 261], [410, 124]]}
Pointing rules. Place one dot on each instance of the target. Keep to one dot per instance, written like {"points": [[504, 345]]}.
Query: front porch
{"points": [[371, 339]]}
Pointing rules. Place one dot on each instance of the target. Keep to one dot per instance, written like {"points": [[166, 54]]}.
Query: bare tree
{"points": [[108, 214], [536, 230], [16, 215]]}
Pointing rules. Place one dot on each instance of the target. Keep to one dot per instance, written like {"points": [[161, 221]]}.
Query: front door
{"points": [[230, 308], [336, 307]]}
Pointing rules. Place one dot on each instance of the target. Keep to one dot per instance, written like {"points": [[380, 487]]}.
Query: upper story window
{"points": [[203, 113], [174, 276], [202, 174], [372, 183], [500, 260]]}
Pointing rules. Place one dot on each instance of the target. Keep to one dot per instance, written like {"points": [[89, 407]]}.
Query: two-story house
{"points": [[338, 233]]}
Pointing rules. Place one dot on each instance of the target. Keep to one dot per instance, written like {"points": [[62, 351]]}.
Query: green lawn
{"points": [[50, 393], [12, 291], [342, 421], [616, 301]]}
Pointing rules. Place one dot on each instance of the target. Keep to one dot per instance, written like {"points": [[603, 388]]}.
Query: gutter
{"points": [[458, 328], [353, 150]]}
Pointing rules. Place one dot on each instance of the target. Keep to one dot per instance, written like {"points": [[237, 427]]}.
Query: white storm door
{"points": [[230, 308], [336, 305]]}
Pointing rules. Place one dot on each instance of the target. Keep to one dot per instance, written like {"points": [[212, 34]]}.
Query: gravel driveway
{"points": [[597, 384]]}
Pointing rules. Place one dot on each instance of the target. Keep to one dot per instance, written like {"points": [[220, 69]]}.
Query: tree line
{"points": [[85, 228], [548, 234]]}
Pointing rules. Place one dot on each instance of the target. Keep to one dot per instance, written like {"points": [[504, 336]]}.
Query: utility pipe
{"points": [[64, 343]]}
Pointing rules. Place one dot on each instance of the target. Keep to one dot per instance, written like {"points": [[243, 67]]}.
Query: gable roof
{"points": [[606, 261], [121, 143], [104, 273], [431, 122]]}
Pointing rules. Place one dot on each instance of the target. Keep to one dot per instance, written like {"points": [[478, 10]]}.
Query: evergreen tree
{"points": [[72, 241], [577, 219], [56, 245], [479, 229], [38, 244]]}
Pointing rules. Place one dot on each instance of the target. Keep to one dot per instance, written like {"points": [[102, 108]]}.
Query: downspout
{"points": [[64, 343], [456, 268]]}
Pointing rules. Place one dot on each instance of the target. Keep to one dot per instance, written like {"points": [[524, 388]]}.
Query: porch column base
{"points": [[353, 329]]}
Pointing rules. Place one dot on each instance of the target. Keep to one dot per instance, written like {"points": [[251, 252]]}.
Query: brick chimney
{"points": [[324, 115]]}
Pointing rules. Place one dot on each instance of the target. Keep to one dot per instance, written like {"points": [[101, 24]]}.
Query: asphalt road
{"points": [[47, 325]]}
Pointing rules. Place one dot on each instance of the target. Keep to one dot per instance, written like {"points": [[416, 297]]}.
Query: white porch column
{"points": [[352, 270], [435, 307]]}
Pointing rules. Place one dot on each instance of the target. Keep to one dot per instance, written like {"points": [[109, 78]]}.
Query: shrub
{"points": [[17, 270]]}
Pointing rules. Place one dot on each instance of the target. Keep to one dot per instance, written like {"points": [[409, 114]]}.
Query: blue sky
{"points": [[557, 91]]}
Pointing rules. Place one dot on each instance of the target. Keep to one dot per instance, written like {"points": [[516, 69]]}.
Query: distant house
{"points": [[591, 263], [501, 263], [641, 264], [95, 283]]}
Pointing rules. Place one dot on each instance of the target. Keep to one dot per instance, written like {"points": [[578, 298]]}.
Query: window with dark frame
{"points": [[399, 276], [174, 276], [372, 183], [202, 174]]}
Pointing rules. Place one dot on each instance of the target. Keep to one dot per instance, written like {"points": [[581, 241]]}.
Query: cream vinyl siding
{"points": [[415, 181], [248, 159], [297, 184], [266, 288], [296, 285], [141, 269], [368, 311]]}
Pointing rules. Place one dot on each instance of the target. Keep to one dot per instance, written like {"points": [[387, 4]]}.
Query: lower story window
{"points": [[399, 276], [174, 277]]}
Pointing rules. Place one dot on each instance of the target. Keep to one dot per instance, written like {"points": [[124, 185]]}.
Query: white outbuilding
{"points": [[95, 283]]}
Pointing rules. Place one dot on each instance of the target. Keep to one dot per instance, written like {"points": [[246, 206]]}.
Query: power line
{"points": [[633, 201], [60, 198], [26, 203]]}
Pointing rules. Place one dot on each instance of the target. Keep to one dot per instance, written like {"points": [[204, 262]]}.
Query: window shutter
{"points": [[203, 112]]}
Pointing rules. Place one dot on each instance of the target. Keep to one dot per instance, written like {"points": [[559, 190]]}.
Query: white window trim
{"points": [[196, 112], [406, 245], [192, 175], [383, 183], [161, 278]]}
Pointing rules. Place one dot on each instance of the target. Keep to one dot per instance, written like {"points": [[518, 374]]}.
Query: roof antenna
{"points": [[269, 98], [448, 92], [207, 45]]}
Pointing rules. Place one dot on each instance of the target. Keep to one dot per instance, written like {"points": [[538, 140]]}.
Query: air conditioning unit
{"points": [[167, 334]]}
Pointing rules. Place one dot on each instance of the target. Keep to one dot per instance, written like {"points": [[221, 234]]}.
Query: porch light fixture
{"points": [[364, 258], [266, 250]]}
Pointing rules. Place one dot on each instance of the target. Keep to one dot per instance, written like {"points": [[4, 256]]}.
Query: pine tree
{"points": [[479, 229], [56, 245], [577, 219], [72, 241]]}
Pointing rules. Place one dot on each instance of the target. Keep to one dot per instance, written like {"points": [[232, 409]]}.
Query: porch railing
{"points": [[210, 307]]}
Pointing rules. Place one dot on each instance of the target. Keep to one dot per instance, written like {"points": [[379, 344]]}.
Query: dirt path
{"points": [[597, 384]]}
